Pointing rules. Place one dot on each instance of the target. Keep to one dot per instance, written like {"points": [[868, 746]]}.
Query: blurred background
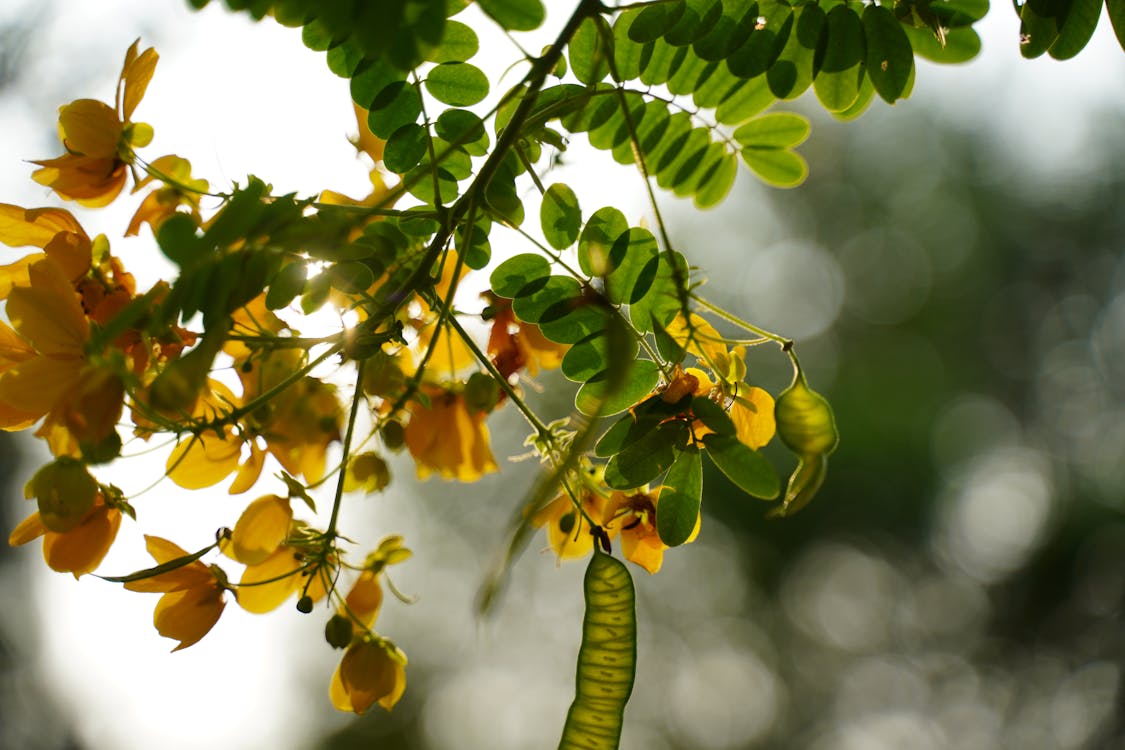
{"points": [[954, 275]]}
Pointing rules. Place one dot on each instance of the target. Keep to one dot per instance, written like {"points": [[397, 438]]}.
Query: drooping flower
{"points": [[44, 367], [179, 190], [633, 516], [514, 345], [193, 594], [373, 670], [99, 139], [79, 550], [445, 438]]}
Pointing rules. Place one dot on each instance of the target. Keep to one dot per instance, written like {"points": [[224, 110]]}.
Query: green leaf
{"points": [[746, 469], [464, 128], [351, 277], [713, 416], [1077, 28], [647, 458], [680, 496], [1040, 22], [627, 431], [1116, 11], [458, 43], [596, 240], [771, 31], [731, 30], [661, 304], [961, 45], [664, 62], [675, 168], [458, 84], [866, 96], [838, 81], [654, 21], [792, 72], [748, 99], [627, 55], [973, 10], [777, 167], [606, 659], [397, 105], [691, 74], [890, 58], [773, 130], [474, 246], [699, 17], [594, 397], [370, 80], [560, 216], [405, 148], [520, 274], [630, 266], [590, 357], [548, 302], [589, 56], [571, 320], [717, 182], [515, 15], [287, 284]]}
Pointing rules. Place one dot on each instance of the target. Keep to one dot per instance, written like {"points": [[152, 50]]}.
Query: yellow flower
{"points": [[373, 670], [568, 532], [513, 345], [43, 363], [79, 550], [281, 556], [193, 594], [55, 231], [99, 139], [446, 438], [633, 516], [165, 201]]}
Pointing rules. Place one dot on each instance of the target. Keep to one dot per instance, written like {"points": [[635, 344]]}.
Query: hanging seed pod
{"points": [[804, 420]]}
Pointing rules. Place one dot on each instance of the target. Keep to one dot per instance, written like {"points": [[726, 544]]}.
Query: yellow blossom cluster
{"points": [[215, 362]]}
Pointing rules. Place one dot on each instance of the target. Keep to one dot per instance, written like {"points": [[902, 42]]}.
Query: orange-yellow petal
{"points": [[36, 386], [27, 530], [365, 598], [752, 414], [82, 549], [266, 586], [188, 615], [203, 460], [261, 529], [34, 227], [90, 128], [135, 76], [47, 312], [369, 673]]}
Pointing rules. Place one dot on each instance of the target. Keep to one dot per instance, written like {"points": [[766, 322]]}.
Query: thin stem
{"points": [[786, 344], [357, 396]]}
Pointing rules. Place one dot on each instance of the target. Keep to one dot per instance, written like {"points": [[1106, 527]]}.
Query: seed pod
{"points": [[65, 492], [338, 632], [305, 604], [804, 420]]}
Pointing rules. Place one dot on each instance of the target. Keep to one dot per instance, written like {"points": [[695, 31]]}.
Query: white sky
{"points": [[236, 98]]}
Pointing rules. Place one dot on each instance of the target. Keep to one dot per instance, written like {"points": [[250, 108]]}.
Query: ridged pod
{"points": [[606, 659]]}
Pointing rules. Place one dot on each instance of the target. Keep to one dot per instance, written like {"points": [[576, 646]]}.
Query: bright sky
{"points": [[239, 98]]}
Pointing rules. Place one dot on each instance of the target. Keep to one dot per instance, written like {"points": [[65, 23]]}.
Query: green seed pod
{"points": [[481, 392], [338, 632], [305, 604], [804, 420], [65, 492], [394, 436]]}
